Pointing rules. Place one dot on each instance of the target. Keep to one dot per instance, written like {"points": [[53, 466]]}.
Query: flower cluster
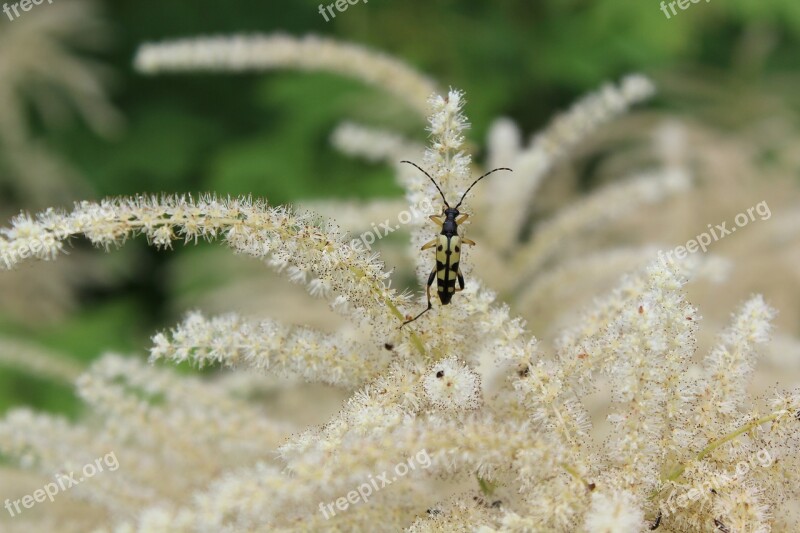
{"points": [[509, 421]]}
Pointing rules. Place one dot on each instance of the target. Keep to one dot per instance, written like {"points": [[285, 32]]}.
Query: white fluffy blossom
{"points": [[452, 385], [461, 421], [616, 512]]}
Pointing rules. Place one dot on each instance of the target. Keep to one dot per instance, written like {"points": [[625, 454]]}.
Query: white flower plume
{"points": [[508, 423]]}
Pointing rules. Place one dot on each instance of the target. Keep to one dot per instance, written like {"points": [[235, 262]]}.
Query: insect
{"points": [[448, 246], [657, 523], [721, 526]]}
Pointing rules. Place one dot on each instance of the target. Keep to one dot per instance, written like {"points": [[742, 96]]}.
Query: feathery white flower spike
{"points": [[610, 202], [532, 163], [277, 234], [271, 346], [267, 52]]}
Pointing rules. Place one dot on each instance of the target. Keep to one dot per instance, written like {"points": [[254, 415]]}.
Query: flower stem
{"points": [[713, 445], [415, 340]]}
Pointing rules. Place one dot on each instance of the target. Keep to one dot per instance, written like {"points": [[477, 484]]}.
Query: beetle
{"points": [[448, 246]]}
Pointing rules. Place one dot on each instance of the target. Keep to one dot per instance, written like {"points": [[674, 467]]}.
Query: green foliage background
{"points": [[267, 135]]}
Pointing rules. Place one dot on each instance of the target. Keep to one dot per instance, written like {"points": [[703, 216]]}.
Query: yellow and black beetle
{"points": [[448, 247]]}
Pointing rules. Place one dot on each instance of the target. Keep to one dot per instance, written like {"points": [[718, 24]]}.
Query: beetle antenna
{"points": [[431, 178], [477, 180]]}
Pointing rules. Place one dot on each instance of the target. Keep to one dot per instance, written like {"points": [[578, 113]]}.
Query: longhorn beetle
{"points": [[448, 246]]}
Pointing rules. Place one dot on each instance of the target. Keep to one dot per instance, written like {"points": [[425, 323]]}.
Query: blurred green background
{"points": [[268, 134]]}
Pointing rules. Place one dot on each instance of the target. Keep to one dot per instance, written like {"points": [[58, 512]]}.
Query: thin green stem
{"points": [[415, 340], [713, 445]]}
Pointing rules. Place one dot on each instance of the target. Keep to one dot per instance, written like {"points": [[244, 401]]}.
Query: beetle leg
{"points": [[467, 241], [437, 220], [428, 292], [460, 281], [460, 219], [430, 244]]}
